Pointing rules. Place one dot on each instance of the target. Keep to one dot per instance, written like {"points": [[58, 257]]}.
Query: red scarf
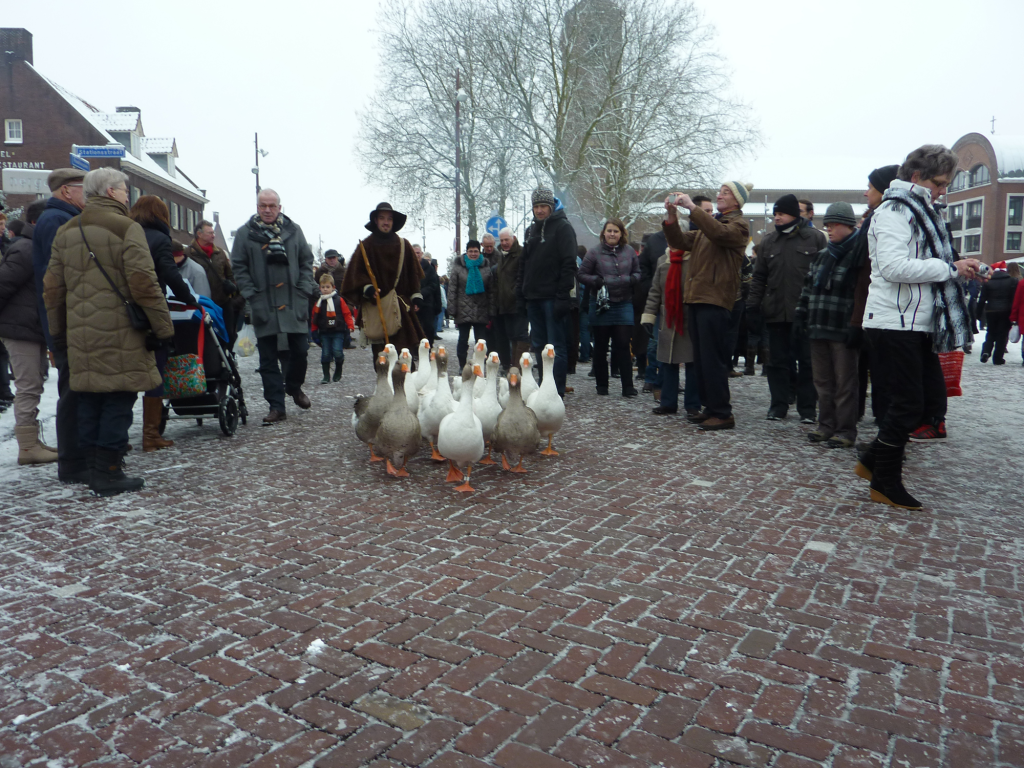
{"points": [[675, 315], [207, 249]]}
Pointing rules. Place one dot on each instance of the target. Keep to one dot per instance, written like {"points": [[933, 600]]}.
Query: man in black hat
{"points": [[783, 259], [395, 267]]}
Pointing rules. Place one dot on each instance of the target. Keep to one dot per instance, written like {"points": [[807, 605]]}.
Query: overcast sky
{"points": [[837, 89]]}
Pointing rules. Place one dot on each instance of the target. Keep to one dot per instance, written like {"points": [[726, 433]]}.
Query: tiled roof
{"points": [[158, 146], [118, 121]]}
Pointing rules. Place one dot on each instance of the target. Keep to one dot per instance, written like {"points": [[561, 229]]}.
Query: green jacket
{"points": [[105, 354], [278, 294]]}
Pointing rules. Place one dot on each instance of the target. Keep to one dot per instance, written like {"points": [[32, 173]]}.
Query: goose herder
{"points": [[382, 251]]}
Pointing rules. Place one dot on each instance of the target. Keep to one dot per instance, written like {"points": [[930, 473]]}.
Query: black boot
{"points": [[338, 363], [108, 478], [748, 369], [865, 466], [327, 372], [887, 483]]}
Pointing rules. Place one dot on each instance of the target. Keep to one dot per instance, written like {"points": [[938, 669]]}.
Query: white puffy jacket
{"points": [[900, 297]]}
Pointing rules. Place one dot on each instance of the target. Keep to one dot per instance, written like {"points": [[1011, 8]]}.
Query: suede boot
{"points": [[748, 369], [339, 362], [108, 478], [327, 372], [30, 451], [887, 482], [152, 412]]}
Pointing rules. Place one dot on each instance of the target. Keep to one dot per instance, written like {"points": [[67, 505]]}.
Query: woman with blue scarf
{"points": [[470, 299]]}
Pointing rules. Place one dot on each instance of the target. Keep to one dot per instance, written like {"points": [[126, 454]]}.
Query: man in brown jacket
{"points": [[716, 250], [98, 257]]}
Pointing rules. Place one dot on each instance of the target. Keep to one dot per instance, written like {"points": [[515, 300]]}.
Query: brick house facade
{"points": [[41, 121]]}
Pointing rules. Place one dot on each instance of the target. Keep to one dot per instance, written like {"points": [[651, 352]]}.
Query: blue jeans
{"points": [[652, 373], [670, 385], [545, 329], [332, 346], [104, 419], [440, 321]]}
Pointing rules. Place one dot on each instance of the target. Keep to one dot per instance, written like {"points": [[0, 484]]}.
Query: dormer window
{"points": [[979, 175], [12, 131]]}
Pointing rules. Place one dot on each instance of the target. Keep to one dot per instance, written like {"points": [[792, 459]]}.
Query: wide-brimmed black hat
{"points": [[399, 218]]}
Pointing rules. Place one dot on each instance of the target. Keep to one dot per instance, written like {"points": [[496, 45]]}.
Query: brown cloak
{"points": [[382, 252]]}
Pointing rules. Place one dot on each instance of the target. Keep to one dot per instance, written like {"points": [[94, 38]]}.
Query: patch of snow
{"points": [[702, 483], [234, 738], [315, 647], [19, 720], [122, 667], [820, 546], [69, 590]]}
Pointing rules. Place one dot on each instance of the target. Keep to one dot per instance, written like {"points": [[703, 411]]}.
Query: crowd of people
{"points": [[85, 282]]}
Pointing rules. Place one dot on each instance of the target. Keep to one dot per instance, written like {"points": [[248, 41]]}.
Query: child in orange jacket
{"points": [[330, 317]]}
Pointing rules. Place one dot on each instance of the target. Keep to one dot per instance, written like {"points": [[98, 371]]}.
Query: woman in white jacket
{"points": [[915, 309]]}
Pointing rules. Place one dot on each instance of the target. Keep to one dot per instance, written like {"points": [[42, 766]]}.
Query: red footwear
{"points": [[929, 433]]}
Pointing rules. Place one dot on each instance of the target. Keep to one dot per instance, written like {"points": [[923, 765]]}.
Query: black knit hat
{"points": [[787, 204], [543, 196], [881, 178], [330, 252]]}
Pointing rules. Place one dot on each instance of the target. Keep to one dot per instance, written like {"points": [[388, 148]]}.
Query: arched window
{"points": [[959, 182], [979, 175]]}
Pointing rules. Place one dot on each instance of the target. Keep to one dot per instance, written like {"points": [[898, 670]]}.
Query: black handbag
{"points": [[136, 314]]}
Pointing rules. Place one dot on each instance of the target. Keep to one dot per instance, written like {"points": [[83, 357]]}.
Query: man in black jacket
{"points": [[430, 287], [547, 275], [783, 259], [996, 301]]}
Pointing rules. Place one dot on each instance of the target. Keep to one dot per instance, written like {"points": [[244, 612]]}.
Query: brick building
{"points": [[42, 120], [986, 198]]}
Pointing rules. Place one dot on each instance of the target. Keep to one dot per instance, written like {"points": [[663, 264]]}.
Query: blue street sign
{"points": [[109, 150], [79, 162], [495, 224]]}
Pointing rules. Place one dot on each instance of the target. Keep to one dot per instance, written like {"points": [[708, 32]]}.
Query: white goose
{"points": [[370, 410], [546, 403], [398, 436], [427, 390], [438, 406], [486, 407], [460, 437], [392, 355], [503, 392], [529, 383], [480, 358], [422, 377], [412, 398]]}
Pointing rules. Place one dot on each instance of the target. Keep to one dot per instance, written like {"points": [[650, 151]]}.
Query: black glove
{"points": [[598, 282], [648, 329], [418, 304], [521, 308], [855, 338], [368, 292], [60, 343], [168, 346], [562, 307], [152, 342], [229, 287], [633, 279]]}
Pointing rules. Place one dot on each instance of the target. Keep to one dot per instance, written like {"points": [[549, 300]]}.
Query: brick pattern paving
{"points": [[653, 596]]}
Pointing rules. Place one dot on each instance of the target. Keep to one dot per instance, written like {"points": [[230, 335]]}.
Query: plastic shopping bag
{"points": [[245, 345], [1014, 334]]}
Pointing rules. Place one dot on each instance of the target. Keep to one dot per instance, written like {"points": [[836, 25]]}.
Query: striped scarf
{"points": [[951, 327], [270, 234]]}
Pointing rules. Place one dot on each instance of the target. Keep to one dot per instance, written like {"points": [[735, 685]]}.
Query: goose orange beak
{"points": [[513, 379], [405, 368], [477, 371]]}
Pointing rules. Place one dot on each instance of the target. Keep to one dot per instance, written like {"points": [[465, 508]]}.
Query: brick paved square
{"points": [[653, 594]]}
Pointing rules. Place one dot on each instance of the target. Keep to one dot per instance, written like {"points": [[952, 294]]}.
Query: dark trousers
{"points": [[639, 341], [5, 374], [997, 335], [916, 387], [619, 336], [586, 345], [709, 332], [783, 352], [652, 373], [462, 348], [669, 385], [506, 331], [282, 372], [70, 455], [572, 335], [691, 388], [104, 419], [546, 328], [735, 326], [879, 387]]}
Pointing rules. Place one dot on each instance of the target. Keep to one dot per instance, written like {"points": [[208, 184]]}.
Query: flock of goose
{"points": [[463, 420]]}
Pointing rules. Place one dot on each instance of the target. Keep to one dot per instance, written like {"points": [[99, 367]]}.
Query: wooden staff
{"points": [[376, 292]]}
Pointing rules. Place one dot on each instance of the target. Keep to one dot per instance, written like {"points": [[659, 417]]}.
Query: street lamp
{"points": [[460, 98], [259, 153]]}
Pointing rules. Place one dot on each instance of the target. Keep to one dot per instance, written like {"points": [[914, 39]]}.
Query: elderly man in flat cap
{"points": [[66, 201], [395, 268]]}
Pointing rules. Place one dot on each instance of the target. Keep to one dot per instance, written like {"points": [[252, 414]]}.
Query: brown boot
{"points": [[29, 449], [152, 412]]}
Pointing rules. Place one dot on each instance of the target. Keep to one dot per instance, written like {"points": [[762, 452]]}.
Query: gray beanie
{"points": [[544, 196], [841, 213]]}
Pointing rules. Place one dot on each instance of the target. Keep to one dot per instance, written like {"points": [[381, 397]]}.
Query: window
{"points": [[136, 194], [979, 175], [12, 132], [1014, 209], [1013, 241], [957, 244], [191, 216], [174, 216], [959, 182], [956, 217], [974, 211], [972, 244]]}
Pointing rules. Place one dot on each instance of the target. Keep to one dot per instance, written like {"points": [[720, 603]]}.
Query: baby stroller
{"points": [[202, 331]]}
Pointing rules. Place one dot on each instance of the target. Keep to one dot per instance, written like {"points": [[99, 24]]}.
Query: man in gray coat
{"points": [[273, 266]]}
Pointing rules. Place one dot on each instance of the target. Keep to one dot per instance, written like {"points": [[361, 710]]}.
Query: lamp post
{"points": [[259, 153], [460, 97]]}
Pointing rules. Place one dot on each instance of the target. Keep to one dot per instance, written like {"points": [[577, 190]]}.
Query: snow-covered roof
{"points": [[1009, 151], [152, 145], [118, 121], [145, 165]]}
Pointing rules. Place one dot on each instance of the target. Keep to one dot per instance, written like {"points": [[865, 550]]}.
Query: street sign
{"points": [[495, 224], [109, 150], [20, 181], [79, 162]]}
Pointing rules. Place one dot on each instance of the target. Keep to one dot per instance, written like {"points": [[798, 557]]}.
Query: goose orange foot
{"points": [[434, 454], [391, 469], [504, 464], [454, 473], [374, 456], [466, 487], [487, 459], [549, 451], [518, 468]]}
